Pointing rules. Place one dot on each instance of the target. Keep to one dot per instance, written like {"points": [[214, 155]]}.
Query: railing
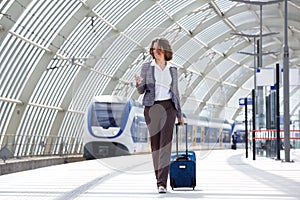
{"points": [[271, 134], [266, 141], [18, 146]]}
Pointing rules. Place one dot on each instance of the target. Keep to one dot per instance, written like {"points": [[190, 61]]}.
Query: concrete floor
{"points": [[221, 174]]}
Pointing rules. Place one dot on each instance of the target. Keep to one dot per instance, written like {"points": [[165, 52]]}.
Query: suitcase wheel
{"points": [[194, 183], [172, 183]]}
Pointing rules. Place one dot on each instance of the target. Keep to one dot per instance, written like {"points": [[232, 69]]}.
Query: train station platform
{"points": [[221, 174]]}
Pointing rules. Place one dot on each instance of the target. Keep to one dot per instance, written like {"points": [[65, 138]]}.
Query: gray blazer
{"points": [[148, 86]]}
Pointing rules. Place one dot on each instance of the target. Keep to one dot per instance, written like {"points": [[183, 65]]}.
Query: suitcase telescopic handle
{"points": [[186, 138]]}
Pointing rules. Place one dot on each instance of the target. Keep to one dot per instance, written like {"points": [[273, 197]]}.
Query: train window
{"points": [[226, 136], [139, 130], [240, 136], [212, 135], [198, 134], [108, 114], [189, 134]]}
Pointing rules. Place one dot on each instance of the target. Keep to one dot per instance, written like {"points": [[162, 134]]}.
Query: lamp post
{"points": [[286, 87]]}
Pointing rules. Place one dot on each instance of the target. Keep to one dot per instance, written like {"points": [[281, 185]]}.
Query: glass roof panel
{"points": [[84, 91], [240, 57], [227, 44], [218, 96], [204, 88], [212, 32], [201, 64], [38, 120], [111, 10], [5, 109], [43, 20], [152, 18], [236, 96], [189, 49], [196, 17], [70, 135], [174, 6], [57, 81], [78, 43], [224, 67], [224, 5], [227, 90], [175, 35], [249, 84], [239, 75], [11, 82], [191, 105], [242, 18], [4, 6], [115, 54], [134, 68], [215, 73]]}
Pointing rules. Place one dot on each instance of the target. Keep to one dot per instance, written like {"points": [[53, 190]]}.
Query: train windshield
{"points": [[108, 114]]}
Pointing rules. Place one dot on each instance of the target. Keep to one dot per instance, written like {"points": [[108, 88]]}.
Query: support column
{"points": [[286, 87]]}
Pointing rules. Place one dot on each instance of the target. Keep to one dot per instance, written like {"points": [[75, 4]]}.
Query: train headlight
{"points": [[115, 133]]}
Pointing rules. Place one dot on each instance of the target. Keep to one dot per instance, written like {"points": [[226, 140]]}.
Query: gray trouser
{"points": [[160, 119]]}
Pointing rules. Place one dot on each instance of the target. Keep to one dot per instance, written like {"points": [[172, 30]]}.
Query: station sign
{"points": [[242, 101]]}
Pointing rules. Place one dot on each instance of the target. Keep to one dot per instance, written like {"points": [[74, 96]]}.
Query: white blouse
{"points": [[163, 82]]}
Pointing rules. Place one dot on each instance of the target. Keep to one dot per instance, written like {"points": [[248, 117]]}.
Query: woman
{"points": [[159, 84]]}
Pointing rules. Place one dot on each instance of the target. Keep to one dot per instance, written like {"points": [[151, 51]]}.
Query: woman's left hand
{"points": [[180, 121]]}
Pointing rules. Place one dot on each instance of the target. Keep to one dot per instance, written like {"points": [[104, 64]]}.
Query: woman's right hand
{"points": [[138, 79]]}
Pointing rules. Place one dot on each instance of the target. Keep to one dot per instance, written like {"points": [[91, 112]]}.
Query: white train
{"points": [[115, 126]]}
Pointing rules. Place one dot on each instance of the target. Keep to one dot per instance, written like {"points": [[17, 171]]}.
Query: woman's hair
{"points": [[164, 44]]}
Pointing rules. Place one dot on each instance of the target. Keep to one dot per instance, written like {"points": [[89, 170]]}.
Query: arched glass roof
{"points": [[56, 55]]}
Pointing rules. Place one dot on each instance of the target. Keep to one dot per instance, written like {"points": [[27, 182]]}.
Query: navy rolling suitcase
{"points": [[183, 166]]}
